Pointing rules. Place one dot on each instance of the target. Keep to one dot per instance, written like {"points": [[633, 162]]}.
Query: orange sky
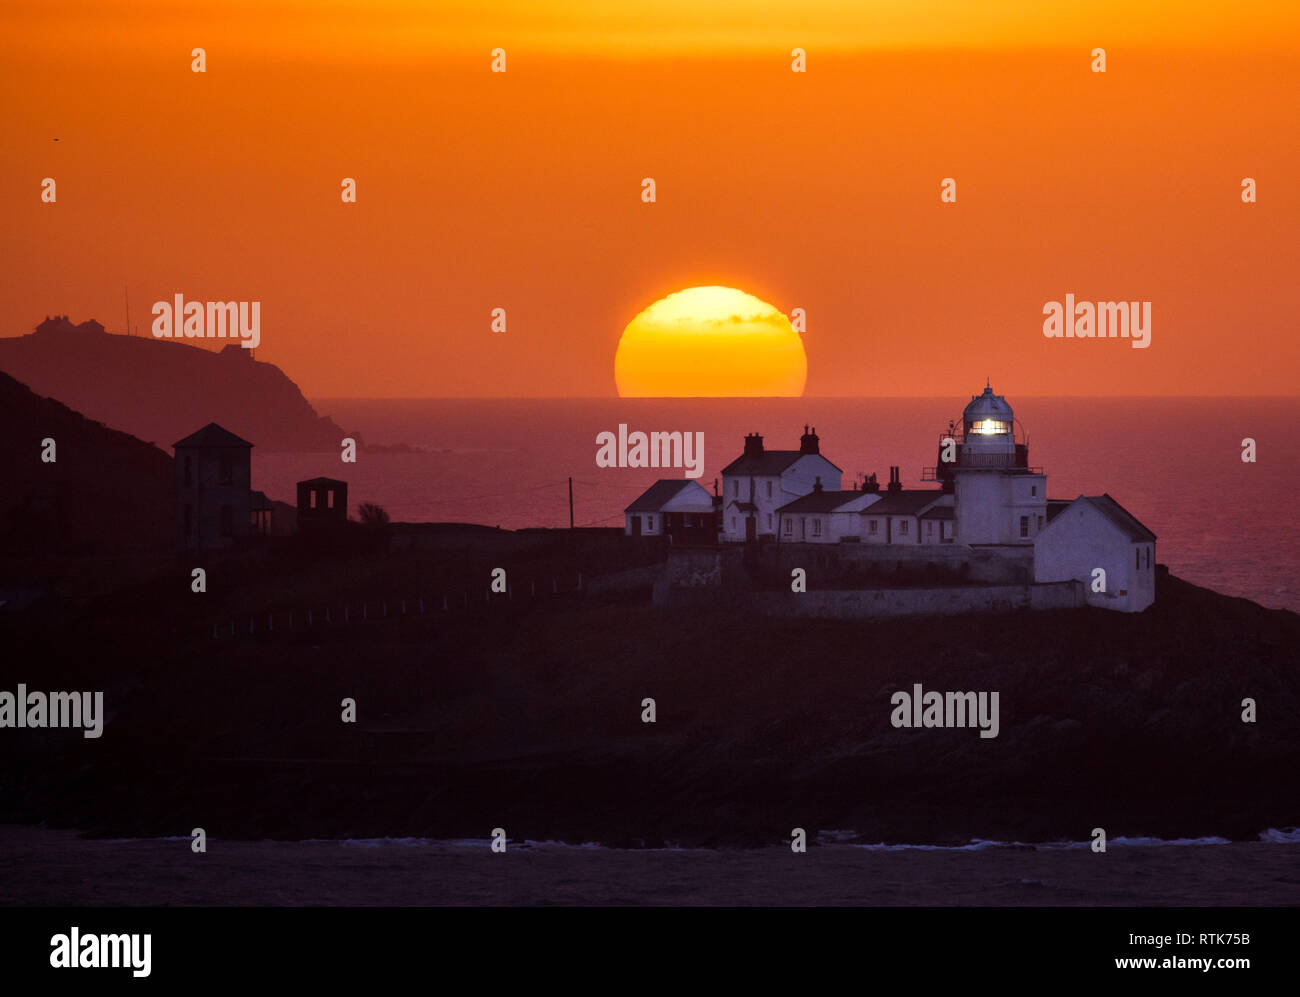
{"points": [[522, 190]]}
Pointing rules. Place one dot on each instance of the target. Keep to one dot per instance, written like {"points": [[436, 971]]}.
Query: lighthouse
{"points": [[998, 497]]}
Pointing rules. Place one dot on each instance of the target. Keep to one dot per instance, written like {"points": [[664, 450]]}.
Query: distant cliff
{"points": [[162, 390]]}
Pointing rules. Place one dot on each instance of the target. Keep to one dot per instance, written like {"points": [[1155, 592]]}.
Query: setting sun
{"points": [[710, 342]]}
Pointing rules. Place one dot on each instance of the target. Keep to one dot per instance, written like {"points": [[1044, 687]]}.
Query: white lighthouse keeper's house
{"points": [[760, 481]]}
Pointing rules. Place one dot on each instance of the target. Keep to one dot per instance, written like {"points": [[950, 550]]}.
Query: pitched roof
{"points": [[1056, 506], [938, 512], [820, 501], [907, 502], [769, 463], [657, 495], [212, 435], [322, 481], [1121, 517]]}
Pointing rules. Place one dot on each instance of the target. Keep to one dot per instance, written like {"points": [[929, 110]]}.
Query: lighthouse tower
{"points": [[998, 497]]}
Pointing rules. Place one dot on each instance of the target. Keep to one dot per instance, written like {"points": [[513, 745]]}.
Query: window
{"points": [[649, 524], [227, 469], [873, 526], [735, 487], [1033, 490], [1138, 552], [1148, 557], [1040, 522], [769, 491], [902, 527], [1024, 526], [227, 521], [314, 501], [929, 528], [788, 526], [769, 516], [733, 522], [189, 477], [817, 527]]}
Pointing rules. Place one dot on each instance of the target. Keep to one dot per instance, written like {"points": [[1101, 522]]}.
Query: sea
{"points": [[47, 867], [1175, 463]]}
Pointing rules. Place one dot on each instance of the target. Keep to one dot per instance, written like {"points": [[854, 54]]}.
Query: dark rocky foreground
{"points": [[526, 714]]}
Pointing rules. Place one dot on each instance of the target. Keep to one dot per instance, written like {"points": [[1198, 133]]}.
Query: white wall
{"points": [[796, 481], [988, 506], [1081, 539]]}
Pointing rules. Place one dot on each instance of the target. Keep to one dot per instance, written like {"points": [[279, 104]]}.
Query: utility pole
{"points": [[570, 503], [127, 293]]}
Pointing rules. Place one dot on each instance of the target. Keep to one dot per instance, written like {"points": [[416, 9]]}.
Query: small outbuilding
{"points": [[1102, 544], [681, 510], [322, 503]]}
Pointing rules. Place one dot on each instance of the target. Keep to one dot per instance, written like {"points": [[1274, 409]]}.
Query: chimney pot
{"points": [[808, 443]]}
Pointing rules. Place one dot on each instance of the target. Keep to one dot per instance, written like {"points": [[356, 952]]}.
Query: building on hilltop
{"points": [[759, 482], [681, 510], [62, 324], [213, 473]]}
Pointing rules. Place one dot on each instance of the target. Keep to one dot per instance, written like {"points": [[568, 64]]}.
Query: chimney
{"points": [[894, 484], [870, 484], [817, 484], [808, 442], [753, 445]]}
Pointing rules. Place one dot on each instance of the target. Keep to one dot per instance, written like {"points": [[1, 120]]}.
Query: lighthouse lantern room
{"points": [[998, 497]]}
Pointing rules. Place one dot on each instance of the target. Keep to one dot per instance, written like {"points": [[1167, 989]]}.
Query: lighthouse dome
{"points": [[988, 415]]}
